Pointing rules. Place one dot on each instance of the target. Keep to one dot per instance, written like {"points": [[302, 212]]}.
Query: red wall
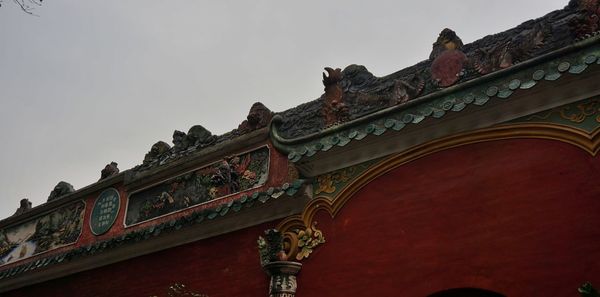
{"points": [[226, 265], [519, 217]]}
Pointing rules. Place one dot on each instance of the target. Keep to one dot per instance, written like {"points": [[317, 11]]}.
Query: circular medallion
{"points": [[105, 211], [447, 68]]}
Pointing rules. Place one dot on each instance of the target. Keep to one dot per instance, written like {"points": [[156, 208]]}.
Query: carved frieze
{"points": [[226, 177], [58, 228]]}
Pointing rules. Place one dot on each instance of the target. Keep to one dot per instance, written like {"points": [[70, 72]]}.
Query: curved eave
{"points": [[549, 68]]}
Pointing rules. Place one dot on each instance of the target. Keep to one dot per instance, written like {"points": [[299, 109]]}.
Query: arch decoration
{"points": [[301, 235]]}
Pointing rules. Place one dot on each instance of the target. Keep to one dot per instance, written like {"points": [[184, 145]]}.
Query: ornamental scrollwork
{"points": [[308, 240], [327, 183], [574, 113]]}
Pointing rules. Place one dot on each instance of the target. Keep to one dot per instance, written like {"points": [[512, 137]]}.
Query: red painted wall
{"points": [[226, 265], [519, 217]]}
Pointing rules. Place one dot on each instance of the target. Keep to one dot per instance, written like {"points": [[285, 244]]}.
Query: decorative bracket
{"points": [[274, 261], [587, 290]]}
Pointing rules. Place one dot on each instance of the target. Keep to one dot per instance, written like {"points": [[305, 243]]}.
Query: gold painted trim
{"points": [[590, 143]]}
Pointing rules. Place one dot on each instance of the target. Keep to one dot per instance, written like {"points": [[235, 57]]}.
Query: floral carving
{"points": [[308, 240], [327, 183], [574, 113]]}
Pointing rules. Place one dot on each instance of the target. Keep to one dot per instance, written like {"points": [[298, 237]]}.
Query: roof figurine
{"points": [[61, 189], [448, 62], [258, 117], [587, 22], [334, 110], [25, 206], [158, 150], [109, 170]]}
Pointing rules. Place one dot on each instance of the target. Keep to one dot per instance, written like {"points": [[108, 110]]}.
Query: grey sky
{"points": [[86, 83]]}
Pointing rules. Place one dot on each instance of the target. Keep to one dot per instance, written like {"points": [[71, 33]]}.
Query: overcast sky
{"points": [[86, 83]]}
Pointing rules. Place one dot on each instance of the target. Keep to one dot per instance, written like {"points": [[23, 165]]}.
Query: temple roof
{"points": [[450, 63]]}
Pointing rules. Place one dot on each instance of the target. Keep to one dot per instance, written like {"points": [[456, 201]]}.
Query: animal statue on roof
{"points": [[157, 150], [61, 189], [200, 136], [334, 109], [25, 206], [258, 117], [109, 170]]}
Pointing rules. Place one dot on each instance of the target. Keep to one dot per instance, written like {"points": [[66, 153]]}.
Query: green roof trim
{"points": [[548, 68], [286, 190]]}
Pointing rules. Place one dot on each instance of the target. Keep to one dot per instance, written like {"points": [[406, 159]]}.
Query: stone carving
{"points": [[258, 117], [270, 247], [505, 54], [228, 176], [587, 290], [364, 93], [356, 78], [56, 229], [448, 61], [197, 136], [447, 40], [587, 21], [61, 189], [157, 151], [334, 110], [24, 207], [180, 141], [360, 87], [109, 170], [274, 260], [283, 285], [406, 90]]}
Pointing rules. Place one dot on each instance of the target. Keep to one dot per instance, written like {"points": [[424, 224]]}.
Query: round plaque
{"points": [[105, 211]]}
